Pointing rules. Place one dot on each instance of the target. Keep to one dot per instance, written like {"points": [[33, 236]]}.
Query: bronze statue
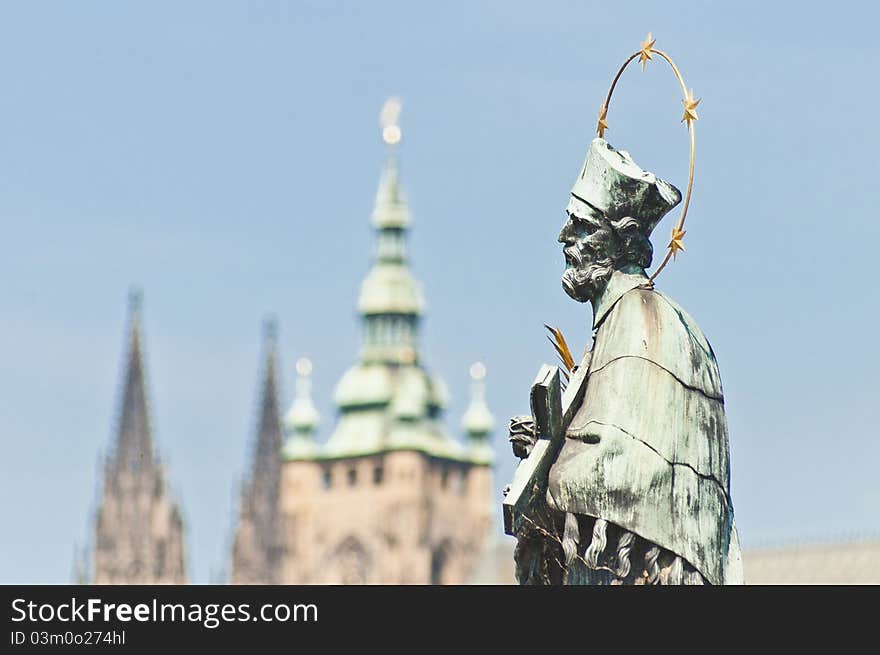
{"points": [[625, 475]]}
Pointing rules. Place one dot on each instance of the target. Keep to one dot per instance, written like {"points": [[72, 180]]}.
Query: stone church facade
{"points": [[138, 529], [399, 517]]}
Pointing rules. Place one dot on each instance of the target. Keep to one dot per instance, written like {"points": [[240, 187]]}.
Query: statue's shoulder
{"points": [[648, 324]]}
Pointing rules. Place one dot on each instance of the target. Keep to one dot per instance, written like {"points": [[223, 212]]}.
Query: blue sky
{"points": [[223, 156]]}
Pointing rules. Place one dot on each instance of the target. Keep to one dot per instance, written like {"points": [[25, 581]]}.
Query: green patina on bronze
{"points": [[635, 458]]}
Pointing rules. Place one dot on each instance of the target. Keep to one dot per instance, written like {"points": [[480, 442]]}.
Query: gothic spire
{"points": [[268, 440], [256, 555], [134, 443], [138, 533]]}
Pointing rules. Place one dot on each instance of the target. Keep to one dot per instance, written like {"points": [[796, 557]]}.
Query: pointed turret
{"points": [[256, 557], [138, 528], [390, 211], [477, 421], [268, 444], [302, 418], [391, 299], [134, 443], [388, 401]]}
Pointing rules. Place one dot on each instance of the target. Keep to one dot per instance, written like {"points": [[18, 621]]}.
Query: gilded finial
{"points": [[304, 367], [477, 371], [389, 120]]}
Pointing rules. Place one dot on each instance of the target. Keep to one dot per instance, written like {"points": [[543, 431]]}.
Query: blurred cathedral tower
{"points": [[138, 535], [390, 497], [256, 553]]}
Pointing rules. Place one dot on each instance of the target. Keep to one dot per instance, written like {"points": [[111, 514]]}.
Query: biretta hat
{"points": [[614, 184]]}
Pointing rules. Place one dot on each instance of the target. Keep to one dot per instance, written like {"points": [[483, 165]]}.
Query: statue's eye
{"points": [[582, 223]]}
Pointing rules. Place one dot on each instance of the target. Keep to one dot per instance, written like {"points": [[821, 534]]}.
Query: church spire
{"points": [[134, 443], [256, 557], [390, 301], [388, 400], [268, 444], [138, 531]]}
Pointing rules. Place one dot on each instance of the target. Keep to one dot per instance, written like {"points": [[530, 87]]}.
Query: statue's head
{"points": [[613, 208]]}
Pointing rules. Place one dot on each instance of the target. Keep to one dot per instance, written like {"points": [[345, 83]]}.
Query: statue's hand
{"points": [[522, 435]]}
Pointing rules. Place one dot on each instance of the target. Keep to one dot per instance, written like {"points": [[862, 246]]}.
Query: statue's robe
{"points": [[647, 450]]}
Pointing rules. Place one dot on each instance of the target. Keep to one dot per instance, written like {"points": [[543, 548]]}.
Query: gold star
{"points": [[690, 108], [602, 125], [676, 243], [647, 50]]}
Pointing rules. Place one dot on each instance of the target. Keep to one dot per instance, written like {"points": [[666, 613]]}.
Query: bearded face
{"points": [[586, 244]]}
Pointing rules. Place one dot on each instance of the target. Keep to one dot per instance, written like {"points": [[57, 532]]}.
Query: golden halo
{"points": [[645, 54]]}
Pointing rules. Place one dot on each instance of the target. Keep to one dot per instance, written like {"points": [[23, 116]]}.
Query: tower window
{"points": [[352, 477], [377, 475], [327, 479], [444, 479]]}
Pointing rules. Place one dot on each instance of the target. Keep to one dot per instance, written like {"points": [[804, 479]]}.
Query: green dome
{"points": [[364, 384], [390, 408], [390, 289]]}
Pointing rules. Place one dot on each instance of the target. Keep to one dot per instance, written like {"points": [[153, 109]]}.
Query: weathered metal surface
{"points": [[656, 378], [648, 324], [530, 476], [647, 449], [610, 179]]}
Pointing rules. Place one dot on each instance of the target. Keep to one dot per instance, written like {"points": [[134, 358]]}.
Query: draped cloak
{"points": [[647, 449]]}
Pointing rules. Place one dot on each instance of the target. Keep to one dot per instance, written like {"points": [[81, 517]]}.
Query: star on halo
{"points": [[602, 125], [690, 108], [645, 54], [677, 242]]}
